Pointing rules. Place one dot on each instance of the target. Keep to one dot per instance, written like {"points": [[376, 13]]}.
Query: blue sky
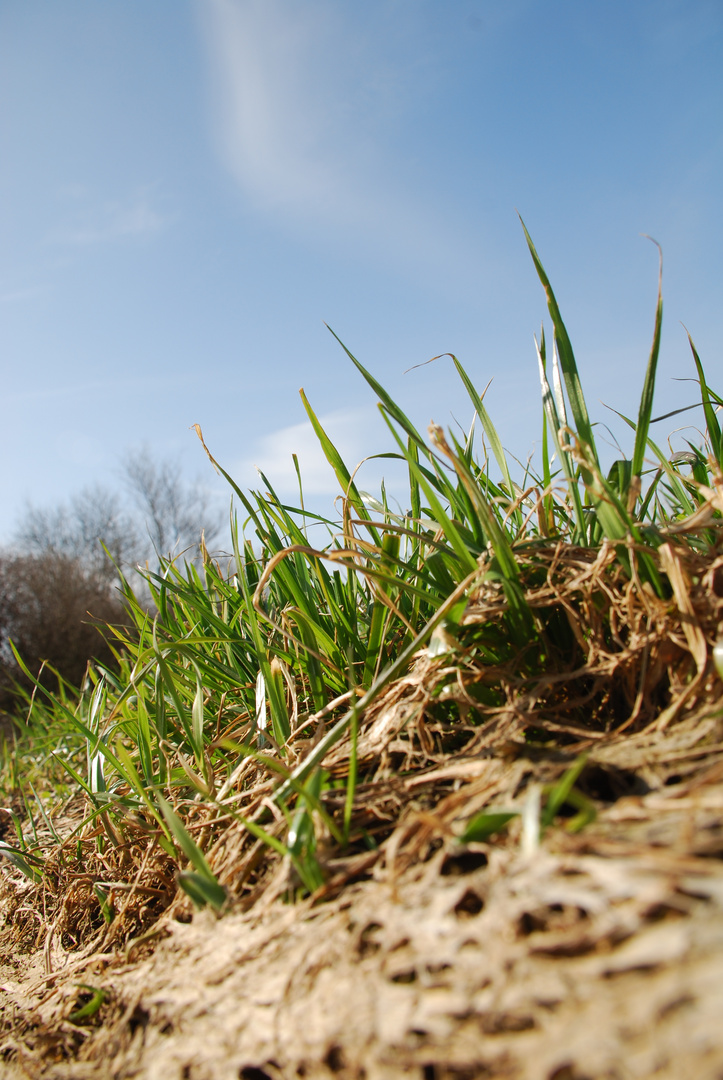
{"points": [[189, 190]]}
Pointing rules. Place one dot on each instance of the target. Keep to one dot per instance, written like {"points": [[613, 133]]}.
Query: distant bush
{"points": [[52, 607], [59, 582]]}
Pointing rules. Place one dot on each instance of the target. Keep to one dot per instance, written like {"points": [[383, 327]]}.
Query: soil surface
{"points": [[597, 957]]}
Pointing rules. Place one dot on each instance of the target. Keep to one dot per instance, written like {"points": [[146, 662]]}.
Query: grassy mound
{"points": [[486, 675]]}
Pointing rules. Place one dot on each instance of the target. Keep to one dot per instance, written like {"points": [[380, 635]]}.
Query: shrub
{"points": [[52, 608]]}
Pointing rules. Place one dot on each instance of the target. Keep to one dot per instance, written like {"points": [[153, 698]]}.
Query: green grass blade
{"points": [[567, 357], [560, 792], [711, 420], [20, 862], [185, 841], [489, 429], [486, 824], [646, 401], [580, 532], [389, 404], [201, 890], [334, 458], [98, 997]]}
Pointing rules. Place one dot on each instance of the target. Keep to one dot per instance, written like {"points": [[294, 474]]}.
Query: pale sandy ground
{"points": [[598, 958]]}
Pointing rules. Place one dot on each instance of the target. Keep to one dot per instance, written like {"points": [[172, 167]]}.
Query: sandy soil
{"points": [[600, 957]]}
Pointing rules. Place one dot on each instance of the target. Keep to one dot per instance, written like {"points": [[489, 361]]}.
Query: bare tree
{"points": [[92, 523], [58, 579], [166, 516], [176, 513]]}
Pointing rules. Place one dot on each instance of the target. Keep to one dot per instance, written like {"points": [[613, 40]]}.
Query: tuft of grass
{"points": [[238, 717]]}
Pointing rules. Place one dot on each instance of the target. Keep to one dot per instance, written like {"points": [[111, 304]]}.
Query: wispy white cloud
{"points": [[17, 296], [121, 387], [306, 106], [280, 123], [271, 132], [135, 217], [354, 432]]}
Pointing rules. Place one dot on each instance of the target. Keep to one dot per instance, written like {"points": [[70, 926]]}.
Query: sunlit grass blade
{"points": [[520, 616], [490, 431], [645, 410], [334, 458], [44, 815], [386, 400], [567, 357], [554, 422], [711, 420], [548, 504], [680, 492]]}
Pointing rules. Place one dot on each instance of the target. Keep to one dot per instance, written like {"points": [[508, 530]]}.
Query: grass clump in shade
{"points": [[297, 713]]}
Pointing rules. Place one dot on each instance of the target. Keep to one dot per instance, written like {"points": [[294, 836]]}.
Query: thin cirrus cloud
{"points": [[18, 296], [304, 110], [132, 218], [271, 131]]}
